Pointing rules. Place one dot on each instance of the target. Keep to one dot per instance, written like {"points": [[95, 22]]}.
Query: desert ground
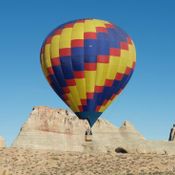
{"points": [[18, 161]]}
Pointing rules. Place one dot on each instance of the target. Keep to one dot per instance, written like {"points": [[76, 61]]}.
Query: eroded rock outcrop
{"points": [[61, 130], [2, 142]]}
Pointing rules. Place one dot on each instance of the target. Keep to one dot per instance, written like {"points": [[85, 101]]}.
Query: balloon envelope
{"points": [[88, 62]]}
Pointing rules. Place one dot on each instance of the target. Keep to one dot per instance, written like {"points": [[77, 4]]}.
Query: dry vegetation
{"points": [[15, 161]]}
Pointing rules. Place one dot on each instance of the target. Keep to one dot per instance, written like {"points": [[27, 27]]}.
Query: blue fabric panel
{"points": [[90, 116], [59, 75], [66, 65]]}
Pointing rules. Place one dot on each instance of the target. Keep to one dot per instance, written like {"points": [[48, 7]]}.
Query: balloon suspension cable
{"points": [[88, 131], [88, 134]]}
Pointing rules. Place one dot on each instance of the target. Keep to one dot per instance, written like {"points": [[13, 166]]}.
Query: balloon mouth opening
{"points": [[91, 117]]}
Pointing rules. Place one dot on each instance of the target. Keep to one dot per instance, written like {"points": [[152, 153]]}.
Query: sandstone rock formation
{"points": [[61, 130], [2, 142]]}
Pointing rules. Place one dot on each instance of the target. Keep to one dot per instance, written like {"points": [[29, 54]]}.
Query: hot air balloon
{"points": [[88, 62]]}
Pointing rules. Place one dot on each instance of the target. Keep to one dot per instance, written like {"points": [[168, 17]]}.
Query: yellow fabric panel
{"points": [[133, 52], [43, 65], [89, 26], [65, 38], [103, 108], [132, 55], [81, 87], [102, 69], [47, 56], [127, 59], [123, 62], [98, 23], [130, 60], [114, 62], [54, 49], [78, 31], [90, 80], [73, 106], [106, 22], [69, 103], [75, 95]]}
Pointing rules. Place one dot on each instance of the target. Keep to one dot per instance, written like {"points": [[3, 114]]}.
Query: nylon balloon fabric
{"points": [[88, 62]]}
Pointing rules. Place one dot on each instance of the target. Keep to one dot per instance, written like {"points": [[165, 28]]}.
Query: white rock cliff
{"points": [[61, 130]]}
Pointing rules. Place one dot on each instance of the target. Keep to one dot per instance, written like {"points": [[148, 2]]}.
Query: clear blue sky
{"points": [[148, 101]]}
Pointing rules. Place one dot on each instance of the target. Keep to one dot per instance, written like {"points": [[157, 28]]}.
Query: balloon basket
{"points": [[88, 135]]}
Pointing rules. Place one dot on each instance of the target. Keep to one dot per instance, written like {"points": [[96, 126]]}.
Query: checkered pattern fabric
{"points": [[88, 62]]}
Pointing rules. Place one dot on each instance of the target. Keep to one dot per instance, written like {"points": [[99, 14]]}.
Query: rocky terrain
{"points": [[18, 161]]}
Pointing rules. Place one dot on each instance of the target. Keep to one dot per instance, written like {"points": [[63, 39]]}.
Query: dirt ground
{"points": [[15, 161]]}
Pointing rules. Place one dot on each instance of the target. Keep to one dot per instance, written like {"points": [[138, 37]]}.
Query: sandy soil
{"points": [[15, 161]]}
